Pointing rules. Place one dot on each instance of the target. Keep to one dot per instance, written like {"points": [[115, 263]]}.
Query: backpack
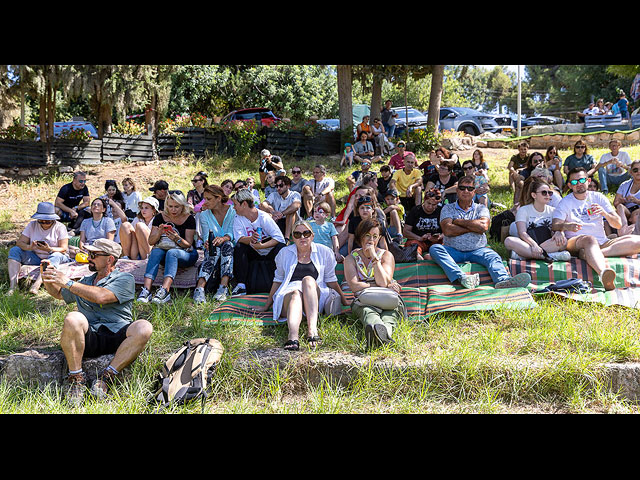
{"points": [[503, 219], [570, 285], [187, 374]]}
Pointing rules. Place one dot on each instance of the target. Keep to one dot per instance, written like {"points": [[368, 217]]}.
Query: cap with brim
{"points": [[160, 185], [45, 211], [107, 246], [151, 200]]}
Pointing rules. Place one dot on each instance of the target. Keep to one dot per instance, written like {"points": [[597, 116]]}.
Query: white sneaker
{"points": [[563, 256], [239, 291], [470, 281], [198, 295], [144, 296], [161, 296], [515, 256], [221, 294], [520, 280]]}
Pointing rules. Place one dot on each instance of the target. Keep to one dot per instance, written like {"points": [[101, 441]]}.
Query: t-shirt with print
{"points": [[188, 224], [422, 222], [94, 230], [52, 236], [442, 186], [570, 209], [72, 197], [467, 241], [243, 227], [323, 234], [612, 169], [404, 180], [532, 218]]}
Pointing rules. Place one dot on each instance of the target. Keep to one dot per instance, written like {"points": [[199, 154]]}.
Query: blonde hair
{"points": [[179, 199]]}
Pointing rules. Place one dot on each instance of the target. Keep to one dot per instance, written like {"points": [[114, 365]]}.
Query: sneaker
{"points": [[100, 387], [144, 296], [221, 294], [77, 384], [161, 296], [238, 291], [563, 256], [521, 280], [470, 281], [515, 256], [376, 335], [198, 295]]}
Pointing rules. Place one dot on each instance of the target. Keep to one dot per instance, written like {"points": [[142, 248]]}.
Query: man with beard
{"points": [[102, 323], [580, 216]]}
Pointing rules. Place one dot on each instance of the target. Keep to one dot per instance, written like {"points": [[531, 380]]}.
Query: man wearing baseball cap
{"points": [[102, 323], [160, 190]]}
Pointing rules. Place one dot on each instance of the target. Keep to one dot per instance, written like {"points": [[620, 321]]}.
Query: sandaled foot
{"points": [[292, 345], [314, 341]]}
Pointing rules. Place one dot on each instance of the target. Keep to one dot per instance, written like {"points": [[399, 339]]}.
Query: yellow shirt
{"points": [[404, 181]]}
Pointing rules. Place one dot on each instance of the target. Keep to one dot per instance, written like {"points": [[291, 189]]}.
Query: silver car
{"points": [[473, 122]]}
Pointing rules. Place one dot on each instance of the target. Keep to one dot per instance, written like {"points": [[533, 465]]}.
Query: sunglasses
{"points": [[635, 170], [279, 185], [468, 168], [81, 181], [467, 188], [305, 234], [580, 180], [581, 146], [546, 193], [196, 180], [46, 222], [296, 171], [93, 255]]}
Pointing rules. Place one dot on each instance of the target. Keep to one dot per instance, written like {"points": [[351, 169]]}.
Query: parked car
{"points": [[59, 127], [417, 119], [264, 115], [539, 120], [331, 124], [473, 122]]}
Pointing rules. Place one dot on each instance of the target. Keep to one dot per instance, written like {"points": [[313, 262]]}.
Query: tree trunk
{"points": [[345, 104], [376, 98], [437, 82]]}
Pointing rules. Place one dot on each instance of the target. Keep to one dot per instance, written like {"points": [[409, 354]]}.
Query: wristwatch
{"points": [[69, 283]]}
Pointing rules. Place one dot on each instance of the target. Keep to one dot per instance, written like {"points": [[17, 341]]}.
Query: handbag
{"points": [[402, 254], [333, 305], [379, 297], [165, 243]]}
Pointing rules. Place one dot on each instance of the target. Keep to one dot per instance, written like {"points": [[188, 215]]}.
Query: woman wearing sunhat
{"points": [[44, 238]]}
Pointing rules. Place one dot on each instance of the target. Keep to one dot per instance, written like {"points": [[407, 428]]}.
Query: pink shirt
{"points": [[397, 161], [34, 232]]}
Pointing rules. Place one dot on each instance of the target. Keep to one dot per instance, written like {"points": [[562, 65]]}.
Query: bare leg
{"points": [[126, 238], [142, 240], [622, 246], [292, 304], [74, 328], [138, 335], [311, 297]]}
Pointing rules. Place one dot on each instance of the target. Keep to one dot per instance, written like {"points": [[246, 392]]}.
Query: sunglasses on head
{"points": [[468, 188], [434, 195], [580, 180], [305, 234]]}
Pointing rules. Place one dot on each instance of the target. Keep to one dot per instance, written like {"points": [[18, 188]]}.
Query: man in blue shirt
{"points": [[102, 323], [464, 224]]}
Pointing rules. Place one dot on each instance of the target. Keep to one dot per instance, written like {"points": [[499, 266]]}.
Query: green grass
{"points": [[542, 360]]}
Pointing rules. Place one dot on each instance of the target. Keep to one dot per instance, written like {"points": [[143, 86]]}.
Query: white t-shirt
{"points": [[570, 209], [533, 218], [317, 187], [625, 190], [131, 201], [613, 170], [33, 231], [243, 227], [280, 204]]}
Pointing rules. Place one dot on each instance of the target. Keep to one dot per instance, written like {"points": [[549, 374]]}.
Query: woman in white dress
{"points": [[303, 283]]}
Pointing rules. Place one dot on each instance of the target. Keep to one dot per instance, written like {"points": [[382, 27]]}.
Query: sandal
{"points": [[316, 340], [292, 345]]}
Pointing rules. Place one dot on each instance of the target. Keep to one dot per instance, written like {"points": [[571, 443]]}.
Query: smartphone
{"points": [[44, 264], [40, 243]]}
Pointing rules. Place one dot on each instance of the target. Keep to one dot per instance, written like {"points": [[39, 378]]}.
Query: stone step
{"points": [[49, 366]]}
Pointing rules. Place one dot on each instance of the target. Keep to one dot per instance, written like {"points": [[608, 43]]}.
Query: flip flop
{"points": [[316, 340], [292, 345]]}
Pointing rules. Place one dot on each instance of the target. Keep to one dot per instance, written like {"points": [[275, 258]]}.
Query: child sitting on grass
{"points": [[271, 184], [394, 213], [324, 232]]}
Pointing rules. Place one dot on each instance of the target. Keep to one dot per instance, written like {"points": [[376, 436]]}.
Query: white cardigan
{"points": [[323, 258]]}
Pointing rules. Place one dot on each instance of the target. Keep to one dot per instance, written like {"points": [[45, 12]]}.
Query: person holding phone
{"points": [[43, 239]]}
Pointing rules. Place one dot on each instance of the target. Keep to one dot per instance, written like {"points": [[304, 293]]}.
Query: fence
{"points": [[196, 141]]}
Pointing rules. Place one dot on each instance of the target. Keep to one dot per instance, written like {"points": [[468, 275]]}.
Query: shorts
{"points": [[103, 342]]}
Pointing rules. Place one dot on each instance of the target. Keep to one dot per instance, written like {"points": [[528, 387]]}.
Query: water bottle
{"points": [[259, 232]]}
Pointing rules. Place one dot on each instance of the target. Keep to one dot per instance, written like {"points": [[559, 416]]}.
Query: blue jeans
{"points": [[171, 259], [29, 257], [390, 129], [607, 181], [448, 259]]}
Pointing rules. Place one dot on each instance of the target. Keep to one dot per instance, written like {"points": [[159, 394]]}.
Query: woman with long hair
{"points": [[134, 235], [195, 196], [98, 225], [627, 199], [535, 239]]}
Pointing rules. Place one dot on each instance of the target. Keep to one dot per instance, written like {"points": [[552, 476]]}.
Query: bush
{"points": [[425, 140], [16, 132]]}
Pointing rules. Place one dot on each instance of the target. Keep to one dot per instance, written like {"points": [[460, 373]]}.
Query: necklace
{"points": [[94, 223]]}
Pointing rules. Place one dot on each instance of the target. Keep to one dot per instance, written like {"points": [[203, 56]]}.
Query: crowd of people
{"points": [[600, 107], [287, 241]]}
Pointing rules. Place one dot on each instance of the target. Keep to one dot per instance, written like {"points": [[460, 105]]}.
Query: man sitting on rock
{"points": [[464, 224], [580, 215], [102, 324]]}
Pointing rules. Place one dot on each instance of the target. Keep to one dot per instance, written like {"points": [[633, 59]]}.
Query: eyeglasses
{"points": [[370, 236], [635, 170], [467, 188], [581, 146], [305, 234], [580, 180], [93, 255], [295, 172], [546, 193]]}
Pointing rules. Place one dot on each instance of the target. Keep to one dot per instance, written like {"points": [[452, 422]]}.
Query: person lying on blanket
{"points": [[464, 224], [580, 216]]}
